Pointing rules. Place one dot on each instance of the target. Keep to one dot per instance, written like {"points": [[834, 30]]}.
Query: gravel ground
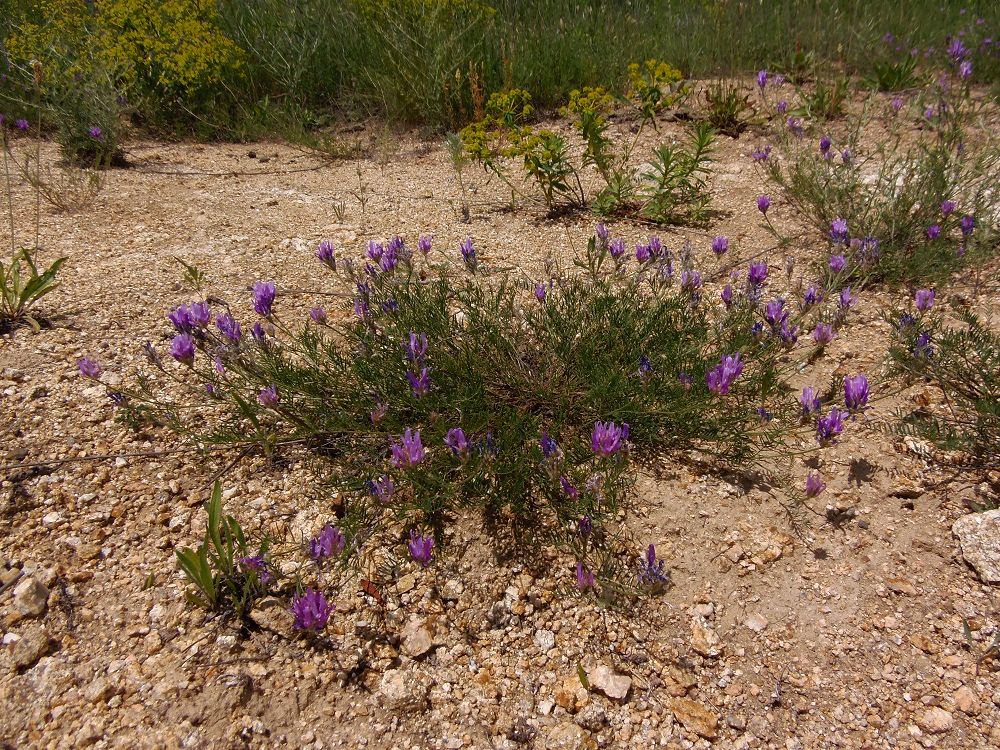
{"points": [[821, 628]]}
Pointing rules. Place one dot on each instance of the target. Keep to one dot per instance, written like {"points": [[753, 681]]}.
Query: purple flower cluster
{"points": [[856, 392], [326, 256], [720, 378], [469, 254], [89, 368], [651, 570], [828, 428], [182, 348], [263, 297], [330, 542], [607, 437], [814, 484], [924, 299], [585, 580], [457, 441], [311, 611], [190, 318], [408, 450], [421, 547]]}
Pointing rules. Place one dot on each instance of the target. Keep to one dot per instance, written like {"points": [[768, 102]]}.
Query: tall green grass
{"points": [[433, 62]]}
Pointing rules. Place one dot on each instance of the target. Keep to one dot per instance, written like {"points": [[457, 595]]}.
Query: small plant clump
{"points": [[896, 209], [446, 384], [962, 363], [671, 188]]}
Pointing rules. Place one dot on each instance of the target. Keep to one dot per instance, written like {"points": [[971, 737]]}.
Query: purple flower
{"points": [[258, 565], [846, 300], [838, 230], [540, 292], [257, 333], [382, 488], [812, 296], [325, 254], [763, 203], [229, 327], [651, 570], [957, 50], [690, 281], [263, 297], [965, 70], [643, 253], [924, 299], [655, 246], [856, 392], [922, 346], [89, 368], [416, 347], [846, 156], [468, 254], [456, 440], [967, 223], [585, 580], [390, 257], [947, 207], [375, 250], [929, 113], [775, 313], [823, 334], [757, 274], [268, 396], [607, 437], [378, 413], [720, 245], [182, 348], [933, 231], [408, 451], [549, 446], [585, 527], [814, 484], [421, 547], [761, 154], [616, 247], [795, 126], [830, 426], [720, 378], [824, 145], [896, 103], [420, 382], [781, 107], [21, 124], [788, 334], [685, 380], [181, 318], [329, 542], [218, 365], [727, 295], [424, 243], [571, 492], [601, 232], [809, 401], [311, 611], [95, 133], [837, 263], [761, 79], [645, 366], [318, 315]]}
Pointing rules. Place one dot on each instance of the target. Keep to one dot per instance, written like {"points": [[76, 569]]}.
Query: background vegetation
{"points": [[227, 68]]}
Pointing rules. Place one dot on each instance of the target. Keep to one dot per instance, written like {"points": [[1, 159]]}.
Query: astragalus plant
{"points": [[441, 384]]}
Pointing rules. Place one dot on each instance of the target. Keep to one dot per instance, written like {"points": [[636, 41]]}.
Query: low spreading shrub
{"points": [[897, 209], [962, 364], [448, 385]]}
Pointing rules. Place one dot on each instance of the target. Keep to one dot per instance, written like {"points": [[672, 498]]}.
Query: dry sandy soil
{"points": [[780, 630]]}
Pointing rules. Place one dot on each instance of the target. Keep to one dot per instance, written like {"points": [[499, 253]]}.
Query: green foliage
{"points": [[672, 188], [963, 364], [221, 583], [728, 107], [824, 101], [894, 74], [22, 285]]}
